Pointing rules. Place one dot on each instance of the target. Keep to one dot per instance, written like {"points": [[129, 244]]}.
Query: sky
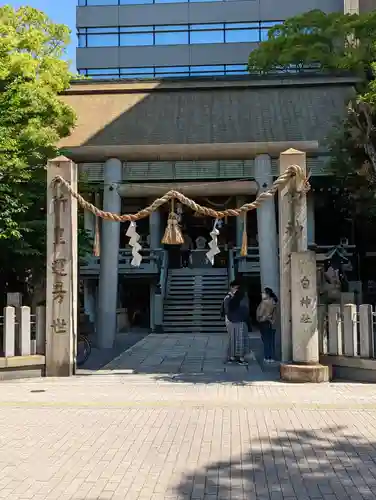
{"points": [[60, 11]]}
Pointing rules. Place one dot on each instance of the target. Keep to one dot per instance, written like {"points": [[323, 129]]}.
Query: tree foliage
{"points": [[335, 43], [328, 42], [32, 120]]}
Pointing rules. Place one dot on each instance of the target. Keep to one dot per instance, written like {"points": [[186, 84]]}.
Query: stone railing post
{"points": [[335, 337], [61, 300], [350, 330], [366, 332], [9, 332], [24, 331]]}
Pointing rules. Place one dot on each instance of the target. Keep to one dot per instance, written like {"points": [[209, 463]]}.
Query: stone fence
{"points": [[348, 341], [23, 340]]}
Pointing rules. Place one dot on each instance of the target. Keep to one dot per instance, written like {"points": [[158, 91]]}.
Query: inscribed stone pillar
{"points": [[110, 240], [289, 240], [267, 227], [61, 300], [240, 200], [305, 337]]}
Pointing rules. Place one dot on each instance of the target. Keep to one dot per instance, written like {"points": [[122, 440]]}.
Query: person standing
{"points": [[186, 249], [236, 312], [266, 315]]}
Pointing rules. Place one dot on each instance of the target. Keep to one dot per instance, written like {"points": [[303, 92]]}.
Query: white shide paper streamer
{"points": [[213, 244], [134, 243]]}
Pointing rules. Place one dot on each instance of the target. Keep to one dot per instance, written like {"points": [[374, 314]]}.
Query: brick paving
{"points": [[148, 436]]}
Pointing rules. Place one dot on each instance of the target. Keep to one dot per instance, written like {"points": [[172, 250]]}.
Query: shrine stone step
{"points": [[194, 299]]}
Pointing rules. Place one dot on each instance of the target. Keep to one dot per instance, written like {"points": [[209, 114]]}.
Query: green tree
{"points": [[32, 120], [334, 43]]}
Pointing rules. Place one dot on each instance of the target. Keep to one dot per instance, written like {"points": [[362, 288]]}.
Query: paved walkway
{"points": [[188, 358], [147, 436]]}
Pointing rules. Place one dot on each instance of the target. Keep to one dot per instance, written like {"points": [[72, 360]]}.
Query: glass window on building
{"points": [[135, 2], [213, 70], [171, 71], [109, 40], [81, 40], [103, 73], [170, 1], [207, 33], [242, 32], [171, 35], [136, 36], [98, 37], [167, 71], [265, 27], [137, 72], [236, 69], [84, 3]]}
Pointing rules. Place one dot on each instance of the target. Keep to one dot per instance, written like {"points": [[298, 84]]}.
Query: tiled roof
{"points": [[218, 112]]}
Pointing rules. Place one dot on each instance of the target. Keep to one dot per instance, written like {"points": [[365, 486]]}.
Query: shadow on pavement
{"points": [[326, 463], [99, 358]]}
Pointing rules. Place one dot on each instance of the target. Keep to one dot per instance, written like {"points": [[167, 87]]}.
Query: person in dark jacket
{"points": [[236, 311]]}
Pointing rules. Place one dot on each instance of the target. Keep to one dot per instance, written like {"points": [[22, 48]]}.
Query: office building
{"points": [[157, 39]]}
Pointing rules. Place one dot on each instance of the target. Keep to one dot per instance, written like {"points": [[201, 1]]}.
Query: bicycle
{"points": [[83, 350]]}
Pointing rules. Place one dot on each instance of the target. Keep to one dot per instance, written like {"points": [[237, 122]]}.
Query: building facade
{"points": [[158, 39]]}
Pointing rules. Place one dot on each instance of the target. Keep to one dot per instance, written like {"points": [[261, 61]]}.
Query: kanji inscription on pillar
{"points": [[304, 307], [61, 300]]}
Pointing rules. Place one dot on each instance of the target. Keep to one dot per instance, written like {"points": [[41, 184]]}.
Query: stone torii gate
{"points": [[298, 291]]}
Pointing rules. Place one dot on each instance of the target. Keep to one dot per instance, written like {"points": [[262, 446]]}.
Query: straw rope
{"points": [[293, 171]]}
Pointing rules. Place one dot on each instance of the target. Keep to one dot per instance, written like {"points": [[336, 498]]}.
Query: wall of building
{"points": [[172, 14], [367, 5]]}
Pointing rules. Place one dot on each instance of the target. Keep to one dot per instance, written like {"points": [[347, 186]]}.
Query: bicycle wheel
{"points": [[83, 351]]}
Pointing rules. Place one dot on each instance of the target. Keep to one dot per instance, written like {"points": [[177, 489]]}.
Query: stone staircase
{"points": [[193, 301]]}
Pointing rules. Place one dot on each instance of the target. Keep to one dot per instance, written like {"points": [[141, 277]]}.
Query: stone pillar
{"points": [[155, 230], [289, 241], [89, 294], [240, 200], [62, 287], [311, 219], [267, 227], [351, 6], [110, 240], [305, 340], [305, 366], [152, 307]]}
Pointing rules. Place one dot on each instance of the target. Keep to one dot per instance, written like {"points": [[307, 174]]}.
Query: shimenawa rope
{"points": [[291, 172]]}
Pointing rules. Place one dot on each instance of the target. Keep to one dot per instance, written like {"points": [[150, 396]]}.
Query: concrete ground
{"points": [[200, 433]]}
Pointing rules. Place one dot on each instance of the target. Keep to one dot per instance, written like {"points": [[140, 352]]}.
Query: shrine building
{"points": [[217, 140]]}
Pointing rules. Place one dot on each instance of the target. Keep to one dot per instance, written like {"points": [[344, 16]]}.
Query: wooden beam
{"points": [[186, 152]]}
